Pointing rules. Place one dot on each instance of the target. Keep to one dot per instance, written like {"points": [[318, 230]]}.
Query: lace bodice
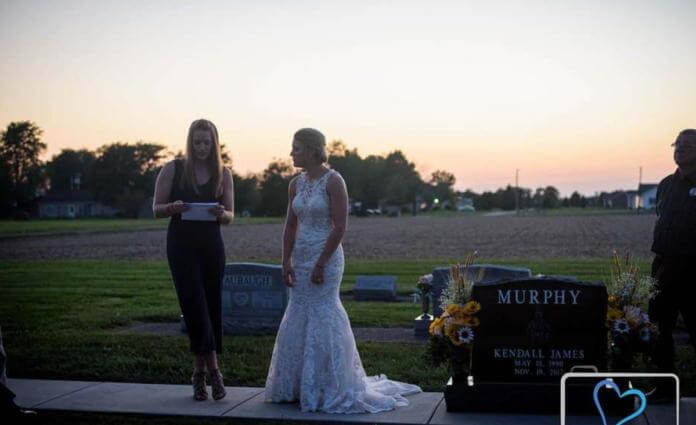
{"points": [[312, 207]]}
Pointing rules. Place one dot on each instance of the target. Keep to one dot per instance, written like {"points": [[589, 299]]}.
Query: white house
{"points": [[646, 196], [73, 204]]}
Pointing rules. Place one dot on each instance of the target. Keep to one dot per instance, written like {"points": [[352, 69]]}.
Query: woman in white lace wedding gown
{"points": [[315, 360]]}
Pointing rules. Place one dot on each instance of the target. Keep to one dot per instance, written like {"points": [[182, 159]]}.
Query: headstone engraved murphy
{"points": [[531, 332], [254, 298], [537, 329]]}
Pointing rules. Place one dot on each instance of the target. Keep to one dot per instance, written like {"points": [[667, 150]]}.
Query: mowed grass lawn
{"points": [[67, 320]]}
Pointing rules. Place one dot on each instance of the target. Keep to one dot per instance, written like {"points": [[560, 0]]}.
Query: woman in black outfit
{"points": [[195, 249]]}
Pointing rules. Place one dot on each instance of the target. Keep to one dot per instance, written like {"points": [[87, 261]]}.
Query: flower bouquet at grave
{"points": [[452, 334], [630, 330]]}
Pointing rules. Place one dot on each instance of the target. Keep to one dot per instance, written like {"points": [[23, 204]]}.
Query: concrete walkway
{"points": [[247, 403]]}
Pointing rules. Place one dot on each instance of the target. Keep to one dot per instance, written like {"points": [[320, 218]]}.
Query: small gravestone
{"points": [[531, 332], [483, 273], [375, 288], [421, 325], [254, 298]]}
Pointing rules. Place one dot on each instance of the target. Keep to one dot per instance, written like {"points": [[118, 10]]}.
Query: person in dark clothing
{"points": [[674, 245], [195, 249], [8, 408]]}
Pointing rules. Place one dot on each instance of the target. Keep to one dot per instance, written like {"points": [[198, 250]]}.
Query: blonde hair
{"points": [[312, 140], [188, 178]]}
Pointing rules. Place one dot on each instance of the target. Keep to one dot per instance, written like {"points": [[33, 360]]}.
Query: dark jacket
{"points": [[675, 229]]}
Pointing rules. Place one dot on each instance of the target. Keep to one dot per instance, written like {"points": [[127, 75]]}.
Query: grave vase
{"points": [[460, 363]]}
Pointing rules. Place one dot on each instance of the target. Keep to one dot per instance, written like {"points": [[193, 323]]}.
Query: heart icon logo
{"points": [[609, 383]]}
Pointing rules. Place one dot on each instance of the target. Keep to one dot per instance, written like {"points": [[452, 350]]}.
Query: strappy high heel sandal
{"points": [[200, 393], [217, 384]]}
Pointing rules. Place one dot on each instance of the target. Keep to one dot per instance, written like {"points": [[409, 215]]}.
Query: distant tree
{"points": [[130, 201], [337, 148], [226, 157], [486, 201], [538, 197], [525, 197], [551, 197], [442, 183], [70, 169], [577, 200], [349, 164], [247, 195], [403, 182], [22, 176], [274, 188], [126, 170], [371, 181]]}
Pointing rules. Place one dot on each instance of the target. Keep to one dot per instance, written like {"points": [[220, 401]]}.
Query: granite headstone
{"points": [[375, 288], [254, 298], [537, 329], [531, 332]]}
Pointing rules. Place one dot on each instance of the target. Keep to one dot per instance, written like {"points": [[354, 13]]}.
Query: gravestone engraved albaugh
{"points": [[479, 273], [375, 288], [531, 332], [254, 298]]}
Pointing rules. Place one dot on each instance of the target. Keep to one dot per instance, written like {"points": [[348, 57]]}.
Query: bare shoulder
{"points": [[168, 169], [170, 165], [293, 183], [226, 173], [335, 180]]}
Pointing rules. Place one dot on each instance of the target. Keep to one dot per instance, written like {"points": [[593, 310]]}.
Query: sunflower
{"points": [[614, 314], [472, 307], [452, 332], [452, 310], [436, 326], [472, 321]]}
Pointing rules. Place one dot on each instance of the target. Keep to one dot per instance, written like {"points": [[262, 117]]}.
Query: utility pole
{"points": [[517, 191], [639, 201]]}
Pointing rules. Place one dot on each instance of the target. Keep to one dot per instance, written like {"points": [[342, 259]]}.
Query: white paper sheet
{"points": [[198, 211]]}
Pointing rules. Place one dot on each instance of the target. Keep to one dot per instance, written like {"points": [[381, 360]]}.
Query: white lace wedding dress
{"points": [[315, 360]]}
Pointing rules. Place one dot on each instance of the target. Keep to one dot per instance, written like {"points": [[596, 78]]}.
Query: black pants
{"points": [[676, 284], [6, 395], [196, 257]]}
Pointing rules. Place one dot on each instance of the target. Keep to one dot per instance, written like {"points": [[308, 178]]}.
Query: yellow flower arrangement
{"points": [[629, 328], [471, 307], [614, 314], [452, 334], [472, 321], [436, 327], [452, 310]]}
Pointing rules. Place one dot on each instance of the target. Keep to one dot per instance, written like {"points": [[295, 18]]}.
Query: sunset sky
{"points": [[577, 94]]}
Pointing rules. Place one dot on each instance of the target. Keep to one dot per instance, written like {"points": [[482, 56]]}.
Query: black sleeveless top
{"points": [[206, 193]]}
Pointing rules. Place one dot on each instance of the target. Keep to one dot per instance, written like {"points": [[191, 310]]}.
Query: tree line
{"points": [[123, 175]]}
